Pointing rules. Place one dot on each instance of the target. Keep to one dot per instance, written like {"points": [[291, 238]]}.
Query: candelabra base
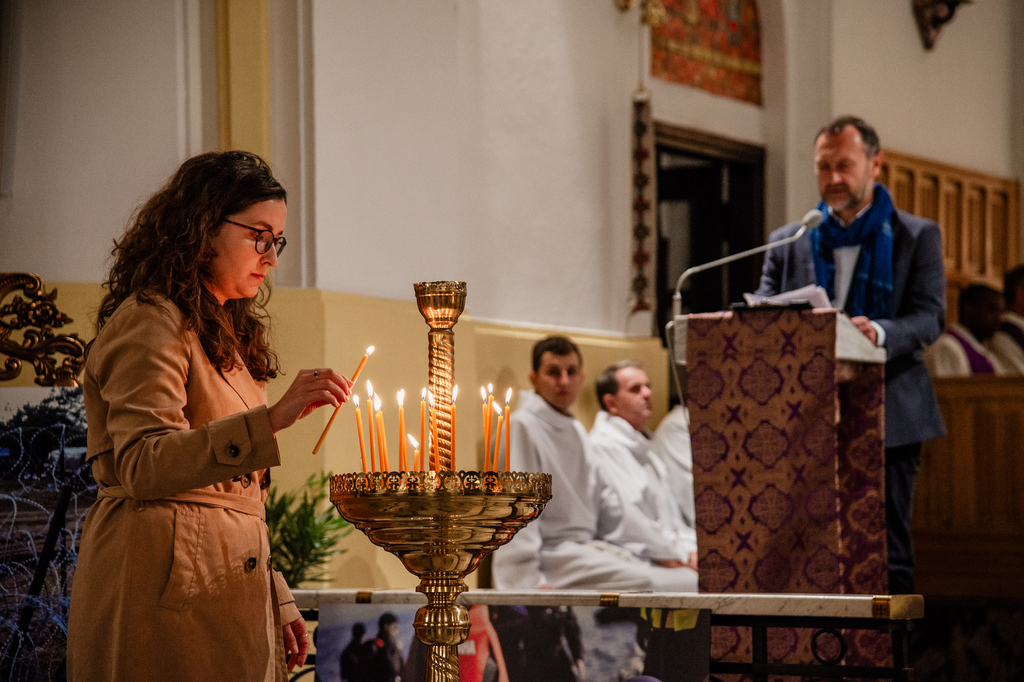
{"points": [[441, 525]]}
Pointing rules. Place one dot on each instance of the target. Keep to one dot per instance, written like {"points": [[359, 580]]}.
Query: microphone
{"points": [[811, 220]]}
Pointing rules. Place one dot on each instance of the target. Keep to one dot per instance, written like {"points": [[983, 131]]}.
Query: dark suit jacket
{"points": [[919, 315]]}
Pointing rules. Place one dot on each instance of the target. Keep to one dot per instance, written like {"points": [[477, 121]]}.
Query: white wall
{"points": [[480, 141], [952, 103], [104, 117], [457, 139]]}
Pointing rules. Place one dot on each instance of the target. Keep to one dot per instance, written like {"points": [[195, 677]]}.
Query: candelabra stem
{"points": [[442, 625], [442, 379]]}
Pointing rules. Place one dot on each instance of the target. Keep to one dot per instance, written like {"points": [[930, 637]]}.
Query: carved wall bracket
{"points": [[932, 15], [38, 316]]}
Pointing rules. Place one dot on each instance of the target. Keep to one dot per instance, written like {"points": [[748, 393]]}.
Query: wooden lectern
{"points": [[788, 437]]}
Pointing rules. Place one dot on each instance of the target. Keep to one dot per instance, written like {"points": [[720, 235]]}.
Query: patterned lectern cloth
{"points": [[789, 497]]}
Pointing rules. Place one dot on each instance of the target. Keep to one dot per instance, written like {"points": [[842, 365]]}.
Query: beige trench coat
{"points": [[173, 580]]}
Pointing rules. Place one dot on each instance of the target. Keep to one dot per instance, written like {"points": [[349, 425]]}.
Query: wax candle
{"points": [[508, 428], [455, 394], [359, 428], [381, 438], [423, 420], [483, 422], [362, 363], [403, 464], [488, 465], [435, 455], [330, 422], [497, 435], [415, 452], [369, 423]]}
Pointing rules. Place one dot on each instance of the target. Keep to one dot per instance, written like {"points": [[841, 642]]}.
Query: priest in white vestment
{"points": [[637, 510]]}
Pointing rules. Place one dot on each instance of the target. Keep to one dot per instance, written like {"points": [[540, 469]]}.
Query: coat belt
{"points": [[207, 498]]}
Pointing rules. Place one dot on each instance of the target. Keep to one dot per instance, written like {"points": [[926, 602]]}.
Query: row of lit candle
{"points": [[378, 438], [378, 445]]}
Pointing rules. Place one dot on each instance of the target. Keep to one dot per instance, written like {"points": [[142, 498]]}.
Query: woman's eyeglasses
{"points": [[264, 239]]}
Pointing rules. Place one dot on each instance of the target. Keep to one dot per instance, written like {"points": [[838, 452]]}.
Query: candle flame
{"points": [[376, 402], [355, 400], [508, 396], [455, 393], [423, 395], [483, 393], [369, 389], [412, 440], [490, 389], [369, 351], [401, 397], [430, 399], [496, 408]]}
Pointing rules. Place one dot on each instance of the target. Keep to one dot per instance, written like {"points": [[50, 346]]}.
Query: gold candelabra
{"points": [[441, 524]]}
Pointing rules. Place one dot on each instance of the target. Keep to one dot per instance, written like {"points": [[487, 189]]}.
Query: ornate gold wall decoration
{"points": [[38, 316]]}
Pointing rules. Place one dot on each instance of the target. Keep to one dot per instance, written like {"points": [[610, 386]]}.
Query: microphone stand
{"points": [[811, 220]]}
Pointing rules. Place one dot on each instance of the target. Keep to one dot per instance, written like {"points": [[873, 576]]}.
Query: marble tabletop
{"points": [[886, 607]]}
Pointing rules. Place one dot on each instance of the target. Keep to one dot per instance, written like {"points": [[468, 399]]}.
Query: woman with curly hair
{"points": [[174, 577]]}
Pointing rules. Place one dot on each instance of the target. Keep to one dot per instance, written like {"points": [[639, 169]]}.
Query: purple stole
{"points": [[979, 363]]}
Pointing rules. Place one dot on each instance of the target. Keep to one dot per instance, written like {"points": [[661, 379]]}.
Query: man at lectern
{"points": [[883, 267]]}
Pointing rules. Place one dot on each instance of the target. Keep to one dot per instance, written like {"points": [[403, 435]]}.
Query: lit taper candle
{"points": [[455, 394], [508, 428], [330, 422], [403, 464], [359, 428]]}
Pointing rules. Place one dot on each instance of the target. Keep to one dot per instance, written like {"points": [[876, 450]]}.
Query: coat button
{"points": [[246, 480], [250, 564], [233, 450]]}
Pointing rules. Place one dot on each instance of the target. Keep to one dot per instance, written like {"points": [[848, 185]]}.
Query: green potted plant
{"points": [[304, 531]]}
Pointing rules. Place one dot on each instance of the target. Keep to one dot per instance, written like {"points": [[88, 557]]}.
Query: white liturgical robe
{"points": [[672, 444], [559, 548], [637, 509], [1005, 344]]}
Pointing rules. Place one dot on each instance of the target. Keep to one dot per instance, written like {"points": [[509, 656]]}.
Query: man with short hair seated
{"points": [[637, 508], [960, 351]]}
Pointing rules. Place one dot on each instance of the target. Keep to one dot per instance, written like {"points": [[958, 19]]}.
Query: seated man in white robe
{"points": [[1007, 344], [960, 351], [560, 548], [637, 510]]}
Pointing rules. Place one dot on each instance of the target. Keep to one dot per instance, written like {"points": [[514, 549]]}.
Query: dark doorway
{"points": [[710, 204]]}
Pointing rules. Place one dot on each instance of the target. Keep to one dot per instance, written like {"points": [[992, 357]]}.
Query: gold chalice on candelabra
{"points": [[441, 523]]}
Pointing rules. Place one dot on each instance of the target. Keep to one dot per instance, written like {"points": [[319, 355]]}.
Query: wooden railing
{"points": [[977, 213], [969, 505]]}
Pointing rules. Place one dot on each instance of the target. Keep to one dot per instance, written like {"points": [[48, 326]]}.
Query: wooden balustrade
{"points": [[969, 504], [977, 213]]}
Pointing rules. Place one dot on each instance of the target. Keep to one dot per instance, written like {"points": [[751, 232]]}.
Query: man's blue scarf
{"points": [[871, 288]]}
